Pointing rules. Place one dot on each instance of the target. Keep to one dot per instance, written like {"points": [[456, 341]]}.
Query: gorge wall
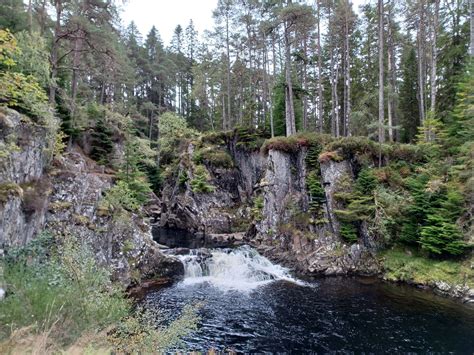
{"points": [[265, 197], [62, 197]]}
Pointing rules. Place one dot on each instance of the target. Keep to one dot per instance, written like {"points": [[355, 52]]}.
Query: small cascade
{"points": [[240, 269]]}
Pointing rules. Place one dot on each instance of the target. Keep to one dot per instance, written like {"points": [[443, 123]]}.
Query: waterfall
{"points": [[241, 269]]}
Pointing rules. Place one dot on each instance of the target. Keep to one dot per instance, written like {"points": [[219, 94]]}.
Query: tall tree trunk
{"points": [[289, 105], [320, 65], [305, 86], [265, 81], [337, 119], [381, 132], [224, 126], [76, 62], [421, 59], [252, 88], [30, 16], [471, 51], [332, 80], [391, 72], [272, 124], [347, 76], [434, 55], [54, 52], [241, 99], [227, 124], [333, 93]]}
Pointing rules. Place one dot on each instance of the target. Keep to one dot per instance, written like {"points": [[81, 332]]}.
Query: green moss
{"points": [[217, 138], [8, 147], [411, 267], [213, 156], [367, 151], [80, 219], [127, 246], [328, 156], [295, 143], [10, 189], [257, 207]]}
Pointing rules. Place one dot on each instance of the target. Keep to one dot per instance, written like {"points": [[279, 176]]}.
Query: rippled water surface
{"points": [[325, 315]]}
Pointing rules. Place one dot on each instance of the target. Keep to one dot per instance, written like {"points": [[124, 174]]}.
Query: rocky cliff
{"points": [[25, 151], [63, 197], [287, 230], [308, 202], [266, 196]]}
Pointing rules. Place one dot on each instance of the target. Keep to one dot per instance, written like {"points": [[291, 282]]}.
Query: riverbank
{"points": [[444, 277]]}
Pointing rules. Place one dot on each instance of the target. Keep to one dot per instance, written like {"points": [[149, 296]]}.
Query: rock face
{"points": [[283, 189], [280, 179], [319, 250], [125, 245], [30, 148], [226, 209], [66, 200], [25, 151]]}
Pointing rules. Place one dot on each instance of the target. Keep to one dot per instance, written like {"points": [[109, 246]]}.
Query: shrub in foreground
{"points": [[59, 297]]}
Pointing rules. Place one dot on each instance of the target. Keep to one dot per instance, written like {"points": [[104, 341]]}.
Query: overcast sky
{"points": [[167, 14]]}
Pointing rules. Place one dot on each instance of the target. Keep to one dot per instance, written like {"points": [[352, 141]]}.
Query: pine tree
{"points": [[101, 143], [409, 109]]}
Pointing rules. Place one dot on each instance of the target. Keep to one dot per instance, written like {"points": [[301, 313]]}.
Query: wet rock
{"points": [[225, 239], [461, 292], [178, 251]]}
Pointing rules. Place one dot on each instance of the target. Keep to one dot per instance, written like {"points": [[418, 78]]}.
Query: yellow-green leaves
{"points": [[8, 49]]}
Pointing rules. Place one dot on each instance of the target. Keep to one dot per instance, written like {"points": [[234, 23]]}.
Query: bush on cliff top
{"points": [[293, 144], [213, 156], [250, 139]]}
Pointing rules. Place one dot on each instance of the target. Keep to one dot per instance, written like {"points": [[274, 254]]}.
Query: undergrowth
{"points": [[57, 294], [400, 265]]}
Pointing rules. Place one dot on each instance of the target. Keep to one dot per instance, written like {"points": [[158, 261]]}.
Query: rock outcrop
{"points": [[124, 244], [319, 249], [65, 199], [25, 151], [280, 179], [221, 212]]}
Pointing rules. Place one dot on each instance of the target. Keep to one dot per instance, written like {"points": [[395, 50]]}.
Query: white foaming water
{"points": [[241, 269]]}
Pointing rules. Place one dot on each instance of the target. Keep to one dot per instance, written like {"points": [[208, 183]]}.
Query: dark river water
{"points": [[250, 305]]}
